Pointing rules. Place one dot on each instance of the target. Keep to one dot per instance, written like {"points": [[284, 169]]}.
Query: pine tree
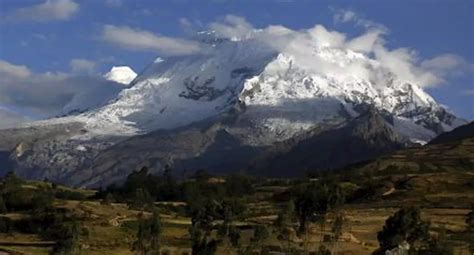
{"points": [[142, 199], [284, 223], [68, 244], [148, 236], [470, 219], [3, 207]]}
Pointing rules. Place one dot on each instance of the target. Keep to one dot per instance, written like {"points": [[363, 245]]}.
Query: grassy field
{"points": [[444, 199]]}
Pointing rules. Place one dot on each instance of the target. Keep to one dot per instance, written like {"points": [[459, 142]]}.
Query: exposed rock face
{"points": [[363, 138]]}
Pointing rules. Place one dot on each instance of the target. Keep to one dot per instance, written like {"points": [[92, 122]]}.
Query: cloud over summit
{"points": [[403, 62], [137, 39]]}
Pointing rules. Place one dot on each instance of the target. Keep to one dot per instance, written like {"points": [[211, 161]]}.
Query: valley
{"points": [[262, 208]]}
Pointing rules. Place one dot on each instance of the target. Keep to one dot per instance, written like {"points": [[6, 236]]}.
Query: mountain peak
{"points": [[121, 74]]}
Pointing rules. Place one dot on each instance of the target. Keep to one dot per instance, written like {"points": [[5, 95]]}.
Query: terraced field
{"points": [[438, 178]]}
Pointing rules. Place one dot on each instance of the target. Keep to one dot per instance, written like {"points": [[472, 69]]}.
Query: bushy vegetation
{"points": [[148, 235], [407, 226], [225, 213], [142, 188], [48, 222]]}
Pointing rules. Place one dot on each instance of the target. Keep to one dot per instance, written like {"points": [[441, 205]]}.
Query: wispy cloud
{"points": [[137, 39], [346, 15], [232, 27], [50, 10], [449, 65], [82, 66], [8, 69], [468, 92]]}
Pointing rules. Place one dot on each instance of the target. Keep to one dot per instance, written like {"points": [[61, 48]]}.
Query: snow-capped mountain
{"points": [[121, 74], [283, 93], [234, 101]]}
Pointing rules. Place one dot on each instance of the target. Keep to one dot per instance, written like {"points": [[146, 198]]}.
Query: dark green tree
{"points": [[284, 223], [68, 239], [148, 236], [11, 181], [201, 243], [3, 207], [42, 201], [142, 199], [436, 245], [405, 225], [238, 185], [337, 228], [470, 219], [109, 199], [203, 212], [229, 210], [286, 217], [314, 201], [323, 250]]}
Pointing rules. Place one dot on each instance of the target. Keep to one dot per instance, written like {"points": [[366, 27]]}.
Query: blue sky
{"points": [[67, 36]]}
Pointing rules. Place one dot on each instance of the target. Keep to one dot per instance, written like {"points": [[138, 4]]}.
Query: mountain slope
{"points": [[361, 139], [459, 133], [453, 152]]}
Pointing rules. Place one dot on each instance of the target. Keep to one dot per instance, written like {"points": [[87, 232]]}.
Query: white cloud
{"points": [[366, 42], [345, 16], [136, 39], [232, 27], [448, 65], [82, 66], [48, 11], [187, 26], [324, 38], [8, 69], [50, 94], [185, 23], [403, 62]]}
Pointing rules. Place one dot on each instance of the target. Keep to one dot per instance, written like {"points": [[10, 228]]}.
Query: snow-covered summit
{"points": [[280, 85], [121, 74], [284, 91]]}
